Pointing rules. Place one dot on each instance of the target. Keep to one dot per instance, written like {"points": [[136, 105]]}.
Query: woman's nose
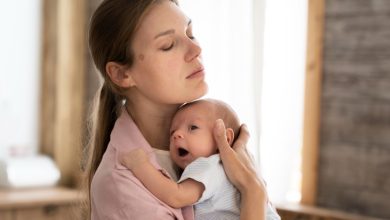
{"points": [[194, 50]]}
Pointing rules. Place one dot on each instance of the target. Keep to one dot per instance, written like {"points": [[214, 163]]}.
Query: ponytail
{"points": [[105, 112], [112, 28]]}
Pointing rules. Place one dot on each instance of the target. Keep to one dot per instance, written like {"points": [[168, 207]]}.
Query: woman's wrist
{"points": [[253, 202], [254, 188]]}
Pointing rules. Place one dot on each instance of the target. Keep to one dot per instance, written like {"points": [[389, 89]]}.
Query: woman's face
{"points": [[167, 65]]}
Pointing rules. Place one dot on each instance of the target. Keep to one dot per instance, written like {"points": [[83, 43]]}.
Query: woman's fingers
{"points": [[239, 167], [239, 151], [225, 150], [234, 168], [240, 147], [243, 137], [220, 137]]}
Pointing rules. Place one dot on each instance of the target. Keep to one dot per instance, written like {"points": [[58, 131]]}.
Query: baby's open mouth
{"points": [[182, 152]]}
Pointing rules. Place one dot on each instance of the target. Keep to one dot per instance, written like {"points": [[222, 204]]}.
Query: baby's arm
{"points": [[175, 195]]}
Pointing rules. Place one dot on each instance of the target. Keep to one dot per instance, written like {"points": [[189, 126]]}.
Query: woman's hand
{"points": [[241, 172]]}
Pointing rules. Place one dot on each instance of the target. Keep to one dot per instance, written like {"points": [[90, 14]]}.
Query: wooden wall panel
{"points": [[355, 119], [49, 76], [311, 116], [63, 87], [71, 72]]}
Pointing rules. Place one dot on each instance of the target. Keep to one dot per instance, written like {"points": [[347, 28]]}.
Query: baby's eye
{"points": [[193, 127]]}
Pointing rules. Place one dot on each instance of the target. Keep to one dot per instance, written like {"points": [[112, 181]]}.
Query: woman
{"points": [[150, 63]]}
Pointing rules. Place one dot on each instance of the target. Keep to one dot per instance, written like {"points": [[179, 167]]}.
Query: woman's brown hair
{"points": [[111, 32]]}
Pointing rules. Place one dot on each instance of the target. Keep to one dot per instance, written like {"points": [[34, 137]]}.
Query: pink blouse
{"points": [[116, 194]]}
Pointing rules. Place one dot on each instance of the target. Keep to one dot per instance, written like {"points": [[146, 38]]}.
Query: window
{"points": [[225, 31], [254, 53], [282, 97], [19, 77]]}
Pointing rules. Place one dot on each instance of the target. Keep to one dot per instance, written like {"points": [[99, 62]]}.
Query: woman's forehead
{"points": [[162, 17]]}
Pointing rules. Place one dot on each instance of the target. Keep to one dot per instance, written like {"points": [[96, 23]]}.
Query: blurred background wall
{"points": [[354, 157]]}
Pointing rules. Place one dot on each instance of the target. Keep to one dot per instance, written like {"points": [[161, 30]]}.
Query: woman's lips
{"points": [[198, 73]]}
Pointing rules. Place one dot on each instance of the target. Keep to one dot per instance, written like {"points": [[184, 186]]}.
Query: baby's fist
{"points": [[133, 158]]}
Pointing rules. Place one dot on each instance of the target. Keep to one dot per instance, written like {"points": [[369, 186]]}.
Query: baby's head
{"points": [[192, 130]]}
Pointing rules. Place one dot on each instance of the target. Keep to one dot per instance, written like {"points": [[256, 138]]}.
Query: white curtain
{"points": [[20, 41], [254, 53], [282, 97], [225, 30]]}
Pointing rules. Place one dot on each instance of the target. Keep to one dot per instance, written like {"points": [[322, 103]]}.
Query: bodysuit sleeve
{"points": [[208, 171]]}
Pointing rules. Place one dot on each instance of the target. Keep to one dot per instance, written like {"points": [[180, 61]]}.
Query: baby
{"points": [[203, 182]]}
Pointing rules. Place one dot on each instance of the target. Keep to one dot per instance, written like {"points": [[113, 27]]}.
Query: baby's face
{"points": [[192, 134]]}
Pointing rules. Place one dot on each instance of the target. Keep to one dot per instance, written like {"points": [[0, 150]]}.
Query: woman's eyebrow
{"points": [[170, 31]]}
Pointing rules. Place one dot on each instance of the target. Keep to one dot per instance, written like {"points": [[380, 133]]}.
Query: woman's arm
{"points": [[241, 172], [175, 195]]}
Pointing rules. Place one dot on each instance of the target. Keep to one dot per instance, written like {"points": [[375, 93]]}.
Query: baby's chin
{"points": [[183, 164]]}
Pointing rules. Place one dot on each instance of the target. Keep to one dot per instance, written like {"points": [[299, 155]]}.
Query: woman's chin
{"points": [[200, 93]]}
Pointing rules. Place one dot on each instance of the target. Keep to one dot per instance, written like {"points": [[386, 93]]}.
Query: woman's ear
{"points": [[120, 75], [229, 136]]}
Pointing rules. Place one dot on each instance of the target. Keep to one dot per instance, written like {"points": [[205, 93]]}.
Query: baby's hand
{"points": [[134, 158]]}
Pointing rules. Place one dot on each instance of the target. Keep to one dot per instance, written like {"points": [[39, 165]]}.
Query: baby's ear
{"points": [[229, 136]]}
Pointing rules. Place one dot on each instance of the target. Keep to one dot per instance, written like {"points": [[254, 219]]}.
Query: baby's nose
{"points": [[177, 135]]}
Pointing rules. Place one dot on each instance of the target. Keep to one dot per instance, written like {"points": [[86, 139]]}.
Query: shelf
{"points": [[24, 198]]}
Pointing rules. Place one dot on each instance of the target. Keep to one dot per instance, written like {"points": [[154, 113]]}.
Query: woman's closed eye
{"points": [[169, 47], [191, 37], [189, 32]]}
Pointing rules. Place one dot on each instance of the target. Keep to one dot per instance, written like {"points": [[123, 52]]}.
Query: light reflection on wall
{"points": [[282, 97]]}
